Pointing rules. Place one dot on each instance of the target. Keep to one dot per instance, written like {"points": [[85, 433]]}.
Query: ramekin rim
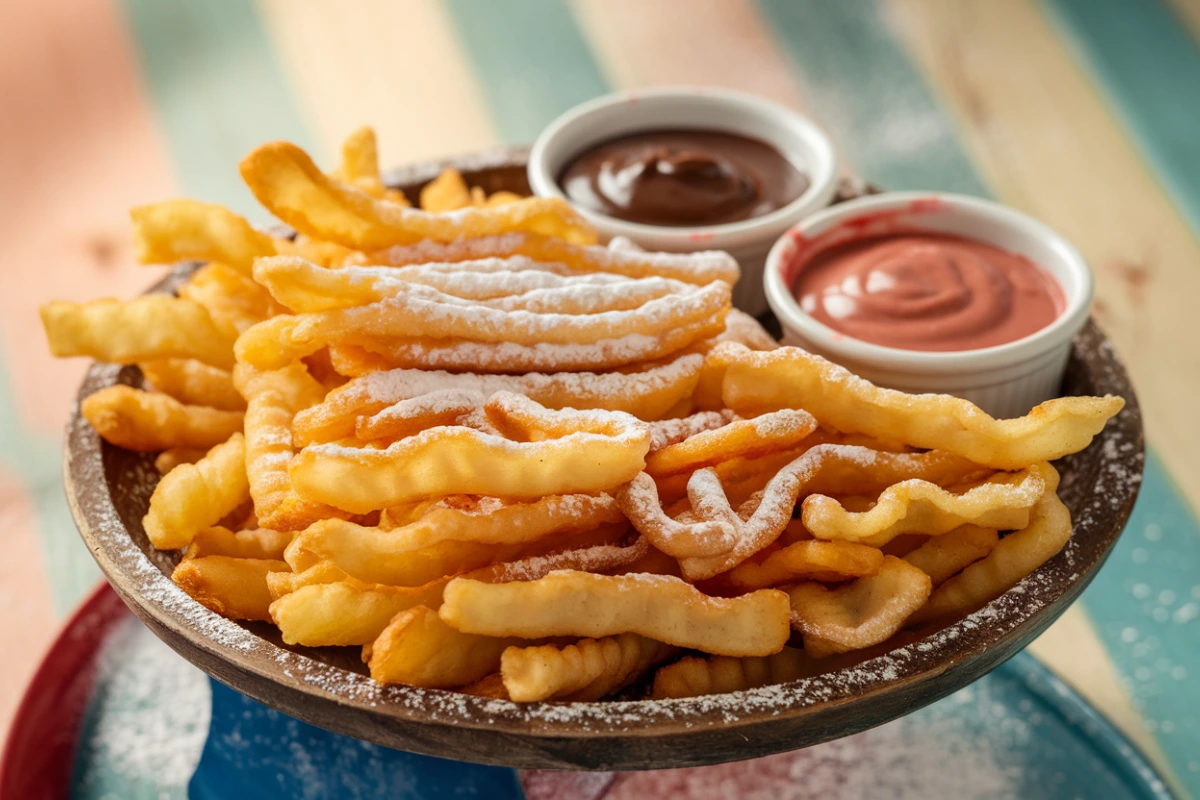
{"points": [[841, 346]]}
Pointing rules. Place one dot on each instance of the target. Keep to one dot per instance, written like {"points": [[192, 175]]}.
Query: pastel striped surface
{"points": [[1048, 108]]}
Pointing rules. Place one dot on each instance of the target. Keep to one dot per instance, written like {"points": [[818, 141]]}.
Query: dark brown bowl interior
{"points": [[109, 489]]}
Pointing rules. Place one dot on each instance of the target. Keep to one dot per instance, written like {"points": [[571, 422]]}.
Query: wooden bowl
{"points": [[109, 489]]}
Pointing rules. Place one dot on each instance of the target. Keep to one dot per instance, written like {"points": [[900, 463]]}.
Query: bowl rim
{"points": [[843, 347], [572, 125]]}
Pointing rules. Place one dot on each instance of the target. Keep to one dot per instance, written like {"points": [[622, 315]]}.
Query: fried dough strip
{"points": [[1003, 501], [604, 449], [696, 268], [1013, 557], [767, 380], [418, 649], [582, 672], [658, 607], [742, 438], [809, 560], [127, 331], [188, 230], [235, 588], [647, 394], [192, 497], [419, 313], [944, 556], [374, 555], [148, 421], [721, 538], [285, 180], [860, 614], [273, 398], [692, 676], [193, 383]]}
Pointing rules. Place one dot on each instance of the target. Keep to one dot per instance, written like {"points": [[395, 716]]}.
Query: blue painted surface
{"points": [[1149, 68], [863, 86], [255, 751], [1146, 607], [530, 59]]}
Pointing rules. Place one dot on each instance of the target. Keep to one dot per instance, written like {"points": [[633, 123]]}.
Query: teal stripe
{"points": [[894, 129], [1146, 606], [1148, 65], [864, 87], [530, 59], [217, 89]]}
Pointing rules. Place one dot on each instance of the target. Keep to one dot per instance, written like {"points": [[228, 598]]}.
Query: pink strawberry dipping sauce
{"points": [[922, 291], [931, 292]]}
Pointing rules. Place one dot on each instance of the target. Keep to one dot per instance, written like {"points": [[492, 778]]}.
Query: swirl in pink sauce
{"points": [[920, 291]]}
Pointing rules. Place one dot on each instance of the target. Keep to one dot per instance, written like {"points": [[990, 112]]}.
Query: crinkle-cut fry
{"points": [[285, 180], [193, 382], [273, 398], [666, 432], [696, 268], [489, 686], [582, 672], [192, 497], [659, 607], [647, 394], [1003, 501], [416, 567], [374, 554], [514, 358], [252, 543], [763, 381], [128, 331], [692, 676], [744, 329], [233, 300], [810, 560], [722, 538], [1014, 556], [148, 422], [742, 438], [419, 314], [513, 284], [410, 417], [347, 612], [235, 588], [418, 649], [944, 556], [360, 166], [597, 559], [605, 449], [859, 614], [172, 457], [188, 230]]}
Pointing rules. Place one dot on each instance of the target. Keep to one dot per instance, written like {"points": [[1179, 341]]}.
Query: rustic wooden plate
{"points": [[109, 489]]}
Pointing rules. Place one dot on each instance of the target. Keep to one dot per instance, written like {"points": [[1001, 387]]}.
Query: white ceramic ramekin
{"points": [[1006, 380], [798, 139]]}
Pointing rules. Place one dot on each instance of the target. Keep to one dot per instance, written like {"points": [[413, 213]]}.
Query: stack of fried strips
{"points": [[505, 460]]}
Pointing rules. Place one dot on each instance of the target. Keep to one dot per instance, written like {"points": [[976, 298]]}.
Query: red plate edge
{"points": [[40, 749]]}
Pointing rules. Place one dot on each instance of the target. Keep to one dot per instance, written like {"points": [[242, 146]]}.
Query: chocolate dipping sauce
{"points": [[682, 178], [928, 292]]}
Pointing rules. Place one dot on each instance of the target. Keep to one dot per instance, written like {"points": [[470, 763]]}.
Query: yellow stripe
{"points": [[396, 66], [1038, 129], [716, 42], [1071, 648]]}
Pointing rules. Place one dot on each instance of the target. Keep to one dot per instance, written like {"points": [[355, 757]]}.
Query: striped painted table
{"points": [[1084, 113]]}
